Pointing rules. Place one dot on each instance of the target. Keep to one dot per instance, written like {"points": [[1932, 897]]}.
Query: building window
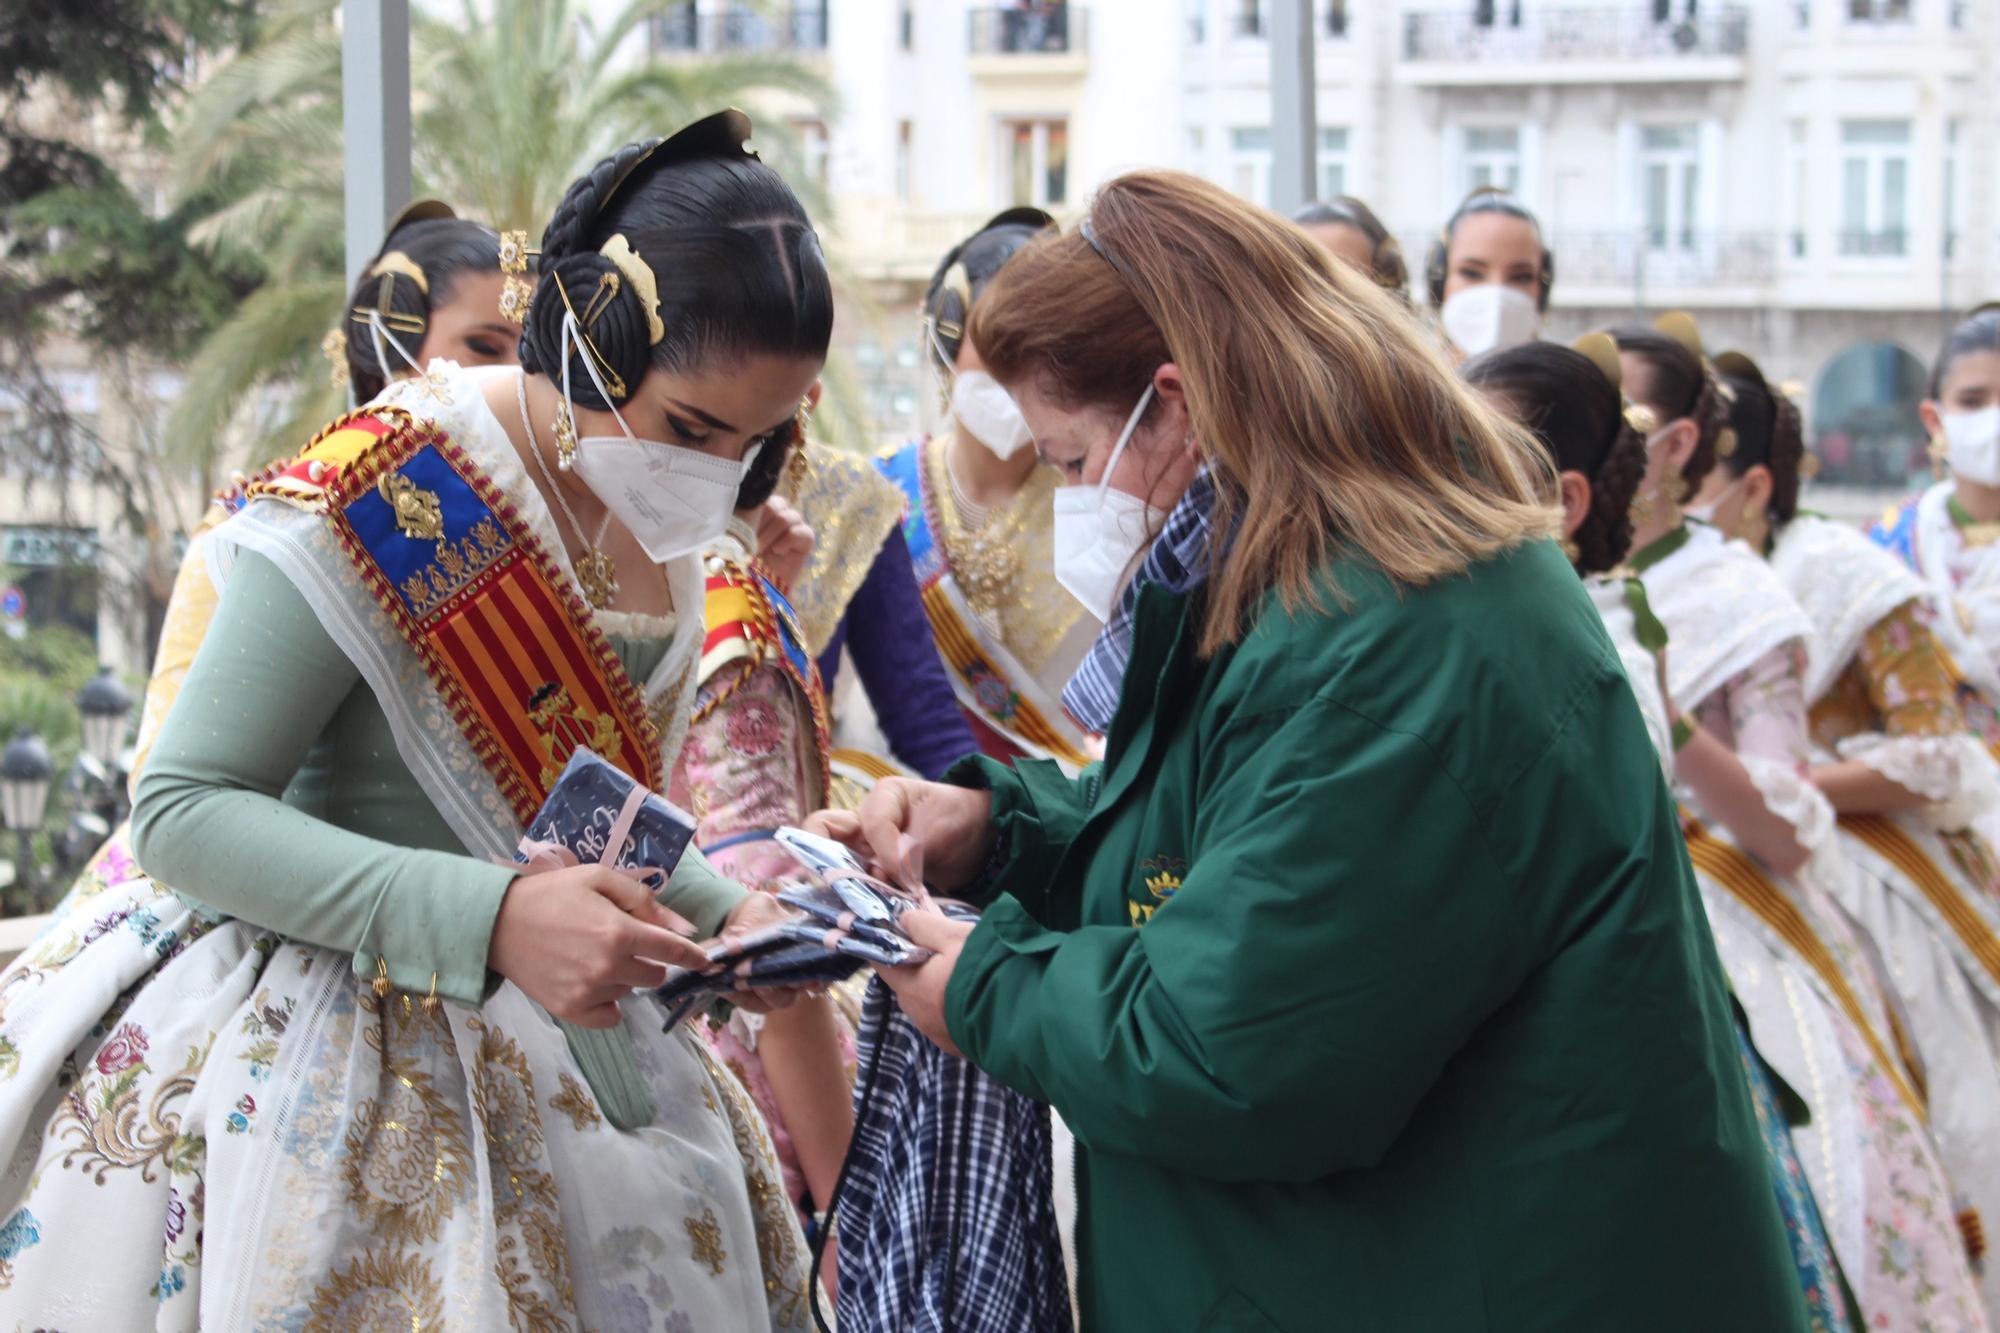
{"points": [[1492, 159], [1670, 185], [1799, 212], [1332, 162], [814, 148], [1250, 164], [1878, 11], [906, 25], [1036, 158], [1874, 187], [903, 130], [1335, 24], [1249, 18], [1197, 149], [1197, 21], [1487, 13]]}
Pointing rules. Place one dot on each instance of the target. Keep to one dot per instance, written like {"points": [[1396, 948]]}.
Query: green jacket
{"points": [[1371, 976]]}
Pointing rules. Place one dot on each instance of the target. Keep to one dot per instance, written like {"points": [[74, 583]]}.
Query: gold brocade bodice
{"points": [[1006, 565], [852, 508]]}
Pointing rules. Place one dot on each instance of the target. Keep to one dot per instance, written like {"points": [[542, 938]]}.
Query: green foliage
{"points": [[54, 654], [510, 101]]}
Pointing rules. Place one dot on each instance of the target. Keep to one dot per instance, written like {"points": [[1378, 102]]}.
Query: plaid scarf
{"points": [[1178, 561]]}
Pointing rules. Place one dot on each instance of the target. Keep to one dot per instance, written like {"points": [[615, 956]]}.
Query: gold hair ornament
{"points": [[799, 465], [517, 294], [395, 262], [643, 282], [600, 299]]}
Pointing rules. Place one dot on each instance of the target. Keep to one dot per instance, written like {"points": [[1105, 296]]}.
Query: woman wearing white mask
{"points": [[1761, 837], [323, 1084], [1489, 274], [978, 528], [1908, 780], [1950, 534], [1377, 895]]}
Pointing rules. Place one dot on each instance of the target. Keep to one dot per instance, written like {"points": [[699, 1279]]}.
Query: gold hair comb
{"points": [[396, 262], [645, 285]]}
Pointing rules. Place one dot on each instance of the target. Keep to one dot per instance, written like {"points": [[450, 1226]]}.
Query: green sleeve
{"points": [[701, 893], [208, 818], [1310, 978], [1037, 810]]}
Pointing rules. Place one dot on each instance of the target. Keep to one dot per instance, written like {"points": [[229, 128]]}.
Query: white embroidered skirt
{"points": [[208, 1126]]}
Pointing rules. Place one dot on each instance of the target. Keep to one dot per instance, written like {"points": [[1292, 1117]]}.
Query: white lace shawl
{"points": [[1723, 609], [303, 547], [1966, 585]]}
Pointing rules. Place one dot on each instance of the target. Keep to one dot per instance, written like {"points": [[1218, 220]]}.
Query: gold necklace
{"points": [[984, 555], [596, 575]]}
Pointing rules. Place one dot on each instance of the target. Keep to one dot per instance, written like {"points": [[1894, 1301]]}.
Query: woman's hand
{"points": [[757, 911], [927, 832], [920, 987], [577, 941], [784, 540]]}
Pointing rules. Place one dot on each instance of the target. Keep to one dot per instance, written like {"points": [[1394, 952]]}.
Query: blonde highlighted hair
{"points": [[1329, 418]]}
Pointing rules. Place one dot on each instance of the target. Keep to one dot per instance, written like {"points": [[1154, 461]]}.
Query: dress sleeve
{"points": [[743, 771], [1922, 743], [1372, 961], [209, 821], [1766, 714], [889, 636]]}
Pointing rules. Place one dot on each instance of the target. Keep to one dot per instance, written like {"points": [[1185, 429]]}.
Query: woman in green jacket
{"points": [[1367, 967]]}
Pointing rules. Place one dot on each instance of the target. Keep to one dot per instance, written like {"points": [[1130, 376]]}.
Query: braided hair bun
{"points": [[1770, 433], [434, 242], [734, 265], [1577, 414], [1681, 385]]}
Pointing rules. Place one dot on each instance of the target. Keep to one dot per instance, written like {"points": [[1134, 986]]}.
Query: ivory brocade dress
{"points": [[1820, 1010], [290, 1095]]}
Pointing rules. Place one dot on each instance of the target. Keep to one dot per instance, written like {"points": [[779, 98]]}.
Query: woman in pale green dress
{"points": [[353, 1074]]}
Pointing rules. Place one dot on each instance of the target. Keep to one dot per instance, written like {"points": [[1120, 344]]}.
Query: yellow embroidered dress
{"points": [[233, 1106]]}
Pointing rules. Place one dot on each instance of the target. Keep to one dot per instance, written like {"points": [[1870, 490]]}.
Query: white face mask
{"points": [[1100, 531], [989, 414], [675, 501], [1972, 442], [1706, 513], [1489, 316]]}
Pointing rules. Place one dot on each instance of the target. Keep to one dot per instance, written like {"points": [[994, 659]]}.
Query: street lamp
{"points": [[26, 770], [106, 706]]}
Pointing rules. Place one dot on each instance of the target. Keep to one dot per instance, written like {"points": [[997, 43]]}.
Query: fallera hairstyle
{"points": [[1386, 261], [1769, 432], [1579, 417], [441, 247], [1488, 199], [1683, 386], [738, 267], [964, 273], [1329, 422], [1979, 332]]}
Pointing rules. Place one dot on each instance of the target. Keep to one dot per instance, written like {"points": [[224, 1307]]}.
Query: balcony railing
{"points": [[685, 31], [1048, 28], [1644, 259], [1626, 33]]}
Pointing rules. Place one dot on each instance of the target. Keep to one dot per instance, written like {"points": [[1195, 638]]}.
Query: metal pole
{"points": [[1294, 117], [375, 121]]}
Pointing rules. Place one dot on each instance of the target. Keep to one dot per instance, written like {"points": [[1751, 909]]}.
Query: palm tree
{"points": [[511, 99]]}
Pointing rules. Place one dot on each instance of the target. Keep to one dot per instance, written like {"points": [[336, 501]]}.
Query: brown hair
{"points": [[1325, 413]]}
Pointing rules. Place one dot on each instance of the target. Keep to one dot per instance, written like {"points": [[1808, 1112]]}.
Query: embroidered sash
{"points": [[1733, 869], [1894, 845], [749, 622], [505, 640], [1010, 712]]}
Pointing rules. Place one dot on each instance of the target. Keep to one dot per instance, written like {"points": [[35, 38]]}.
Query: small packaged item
{"points": [[595, 806]]}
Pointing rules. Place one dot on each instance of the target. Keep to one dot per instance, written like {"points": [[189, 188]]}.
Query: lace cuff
{"points": [[1953, 773], [1791, 797]]}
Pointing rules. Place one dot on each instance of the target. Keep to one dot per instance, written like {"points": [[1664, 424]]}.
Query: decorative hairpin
{"points": [[395, 263], [517, 294], [640, 278]]}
